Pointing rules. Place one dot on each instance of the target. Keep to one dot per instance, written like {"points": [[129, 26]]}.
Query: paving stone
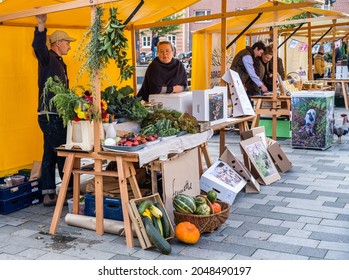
{"points": [[56, 256], [335, 223], [287, 239], [271, 215], [257, 234], [297, 195], [32, 253], [335, 255], [323, 236], [270, 222], [301, 212], [292, 225], [266, 228], [275, 255], [313, 252], [327, 229], [336, 246], [25, 232], [334, 204], [326, 198], [298, 233], [12, 249]]}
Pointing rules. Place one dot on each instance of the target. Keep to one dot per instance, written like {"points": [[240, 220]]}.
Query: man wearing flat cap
{"points": [[50, 64]]}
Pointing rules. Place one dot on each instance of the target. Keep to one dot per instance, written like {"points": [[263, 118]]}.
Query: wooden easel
{"points": [[274, 106]]}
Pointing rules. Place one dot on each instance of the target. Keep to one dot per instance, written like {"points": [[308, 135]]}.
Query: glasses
{"points": [[165, 51]]}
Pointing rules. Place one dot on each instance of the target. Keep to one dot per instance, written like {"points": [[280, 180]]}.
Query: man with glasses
{"points": [[165, 74], [50, 64]]}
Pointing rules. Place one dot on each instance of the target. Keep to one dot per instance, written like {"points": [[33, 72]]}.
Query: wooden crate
{"points": [[138, 223], [203, 126]]}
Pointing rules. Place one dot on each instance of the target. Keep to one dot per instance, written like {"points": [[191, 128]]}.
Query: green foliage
{"points": [[66, 100], [167, 29], [102, 43], [123, 104]]}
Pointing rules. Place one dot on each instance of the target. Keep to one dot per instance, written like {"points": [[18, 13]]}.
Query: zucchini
{"points": [[156, 238], [166, 227], [145, 204], [157, 224]]}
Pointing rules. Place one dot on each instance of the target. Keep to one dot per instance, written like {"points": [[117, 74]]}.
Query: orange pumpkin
{"points": [[187, 233], [216, 208]]}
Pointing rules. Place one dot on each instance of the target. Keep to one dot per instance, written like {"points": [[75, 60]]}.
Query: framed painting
{"points": [[260, 160]]}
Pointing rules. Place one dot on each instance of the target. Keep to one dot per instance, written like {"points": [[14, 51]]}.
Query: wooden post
{"points": [[333, 50], [223, 39], [310, 55]]}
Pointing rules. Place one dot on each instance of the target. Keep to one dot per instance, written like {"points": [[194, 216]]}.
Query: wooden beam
{"points": [[53, 9], [226, 15], [223, 39]]}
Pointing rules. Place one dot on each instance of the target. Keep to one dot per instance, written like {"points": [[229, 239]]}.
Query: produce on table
{"points": [[187, 233]]}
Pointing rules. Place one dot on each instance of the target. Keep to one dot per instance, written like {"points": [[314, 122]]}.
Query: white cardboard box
{"points": [[181, 102], [224, 180], [210, 105]]}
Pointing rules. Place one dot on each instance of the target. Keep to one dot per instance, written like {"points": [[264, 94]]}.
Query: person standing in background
{"points": [[50, 64], [319, 64], [280, 70], [247, 64], [154, 45]]}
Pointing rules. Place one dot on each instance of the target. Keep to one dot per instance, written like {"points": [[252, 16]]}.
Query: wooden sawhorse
{"points": [[125, 171]]}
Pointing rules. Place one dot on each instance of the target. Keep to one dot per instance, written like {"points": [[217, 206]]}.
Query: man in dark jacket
{"points": [[247, 64], [165, 74], [50, 64]]}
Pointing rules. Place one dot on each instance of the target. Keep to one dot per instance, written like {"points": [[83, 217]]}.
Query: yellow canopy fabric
{"points": [[21, 139]]}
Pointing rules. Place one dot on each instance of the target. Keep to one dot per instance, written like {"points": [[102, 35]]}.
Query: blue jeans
{"points": [[55, 134]]}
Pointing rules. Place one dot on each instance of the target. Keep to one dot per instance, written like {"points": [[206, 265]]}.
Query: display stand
{"points": [[344, 83], [274, 106], [125, 171]]}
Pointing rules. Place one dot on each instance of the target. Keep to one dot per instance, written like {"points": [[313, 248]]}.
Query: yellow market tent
{"points": [[206, 43], [21, 139]]}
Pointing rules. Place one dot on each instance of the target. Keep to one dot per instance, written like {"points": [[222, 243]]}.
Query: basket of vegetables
{"points": [[205, 212]]}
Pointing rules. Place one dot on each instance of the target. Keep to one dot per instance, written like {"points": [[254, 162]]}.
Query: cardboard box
{"points": [[278, 156], [256, 131], [181, 102], [210, 105], [180, 174], [224, 180], [230, 158], [137, 220]]}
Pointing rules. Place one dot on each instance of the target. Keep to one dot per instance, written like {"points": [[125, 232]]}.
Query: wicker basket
{"points": [[205, 223]]}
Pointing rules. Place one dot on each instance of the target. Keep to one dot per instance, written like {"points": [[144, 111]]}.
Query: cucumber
{"points": [[156, 238], [145, 204], [166, 227]]}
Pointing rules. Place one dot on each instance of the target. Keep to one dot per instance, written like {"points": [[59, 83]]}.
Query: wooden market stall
{"points": [[254, 23]]}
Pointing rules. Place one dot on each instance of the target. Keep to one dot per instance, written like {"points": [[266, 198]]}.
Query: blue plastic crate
{"points": [[18, 190], [111, 206]]}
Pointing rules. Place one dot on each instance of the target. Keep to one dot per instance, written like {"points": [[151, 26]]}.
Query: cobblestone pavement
{"points": [[303, 216]]}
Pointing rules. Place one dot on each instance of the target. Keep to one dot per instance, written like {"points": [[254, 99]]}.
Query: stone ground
{"points": [[303, 216]]}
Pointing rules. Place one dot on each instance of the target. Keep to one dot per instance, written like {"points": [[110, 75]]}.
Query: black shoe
{"points": [[50, 199]]}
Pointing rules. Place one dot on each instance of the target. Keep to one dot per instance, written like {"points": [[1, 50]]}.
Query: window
{"points": [[146, 41], [172, 39], [199, 13]]}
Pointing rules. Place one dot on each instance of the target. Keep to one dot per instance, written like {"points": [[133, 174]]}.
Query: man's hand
{"points": [[178, 88], [41, 21], [264, 88]]}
